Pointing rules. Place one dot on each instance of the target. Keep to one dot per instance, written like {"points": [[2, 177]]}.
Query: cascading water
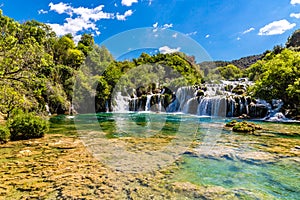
{"points": [[121, 103], [207, 100], [148, 105]]}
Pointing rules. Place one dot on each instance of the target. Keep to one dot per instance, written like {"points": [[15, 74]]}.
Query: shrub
{"points": [[4, 134], [24, 126]]}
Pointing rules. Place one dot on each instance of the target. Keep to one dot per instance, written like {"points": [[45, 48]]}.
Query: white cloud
{"points": [[42, 11], [294, 2], [73, 26], [116, 5], [80, 18], [165, 26], [128, 2], [296, 15], [207, 36], [166, 49], [77, 38], [192, 33], [123, 17], [238, 38], [248, 30], [276, 27], [150, 3], [175, 35], [60, 8], [155, 25], [95, 14]]}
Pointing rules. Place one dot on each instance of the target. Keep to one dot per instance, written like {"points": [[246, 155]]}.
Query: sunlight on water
{"points": [[206, 153]]}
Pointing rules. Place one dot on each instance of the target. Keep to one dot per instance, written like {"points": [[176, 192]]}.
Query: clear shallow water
{"points": [[275, 180], [264, 166]]}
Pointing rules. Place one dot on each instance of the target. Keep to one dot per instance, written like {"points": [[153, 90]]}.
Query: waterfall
{"points": [[205, 100], [191, 106], [159, 103], [212, 106], [230, 106], [183, 95], [121, 103], [148, 105]]}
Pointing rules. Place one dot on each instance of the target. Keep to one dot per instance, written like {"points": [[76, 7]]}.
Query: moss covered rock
{"points": [[243, 127]]}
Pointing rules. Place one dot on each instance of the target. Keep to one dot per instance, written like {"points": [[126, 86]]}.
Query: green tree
{"points": [[86, 43], [279, 78], [21, 59], [230, 72]]}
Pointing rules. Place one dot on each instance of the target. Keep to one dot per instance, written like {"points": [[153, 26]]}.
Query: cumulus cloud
{"points": [[294, 2], [166, 49], [296, 15], [94, 14], [248, 30], [207, 36], [276, 27], [60, 8], [155, 25], [123, 17], [80, 18], [128, 2], [175, 35], [73, 26]]}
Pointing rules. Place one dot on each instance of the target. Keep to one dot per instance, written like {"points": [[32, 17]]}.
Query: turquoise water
{"points": [[265, 166], [276, 180]]}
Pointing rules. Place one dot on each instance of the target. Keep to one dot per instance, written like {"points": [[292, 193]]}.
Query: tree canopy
{"points": [[277, 77]]}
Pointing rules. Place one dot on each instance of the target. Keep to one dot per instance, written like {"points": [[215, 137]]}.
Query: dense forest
{"points": [[39, 70]]}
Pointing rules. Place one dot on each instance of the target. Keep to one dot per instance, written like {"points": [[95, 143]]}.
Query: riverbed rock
{"points": [[243, 127], [196, 192]]}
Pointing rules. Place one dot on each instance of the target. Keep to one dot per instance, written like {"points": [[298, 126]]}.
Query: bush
{"points": [[4, 134], [24, 126]]}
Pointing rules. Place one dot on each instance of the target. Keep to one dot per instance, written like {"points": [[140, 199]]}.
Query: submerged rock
{"points": [[244, 127]]}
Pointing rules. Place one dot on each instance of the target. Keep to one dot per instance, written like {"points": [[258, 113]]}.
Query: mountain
{"points": [[241, 63]]}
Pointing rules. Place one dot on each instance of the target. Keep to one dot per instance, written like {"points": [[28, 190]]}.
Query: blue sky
{"points": [[225, 30]]}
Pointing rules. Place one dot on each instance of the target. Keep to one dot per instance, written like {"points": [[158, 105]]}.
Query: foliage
{"points": [[230, 72], [4, 134], [255, 70], [178, 63], [293, 90], [86, 43], [27, 125], [37, 67], [277, 77]]}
